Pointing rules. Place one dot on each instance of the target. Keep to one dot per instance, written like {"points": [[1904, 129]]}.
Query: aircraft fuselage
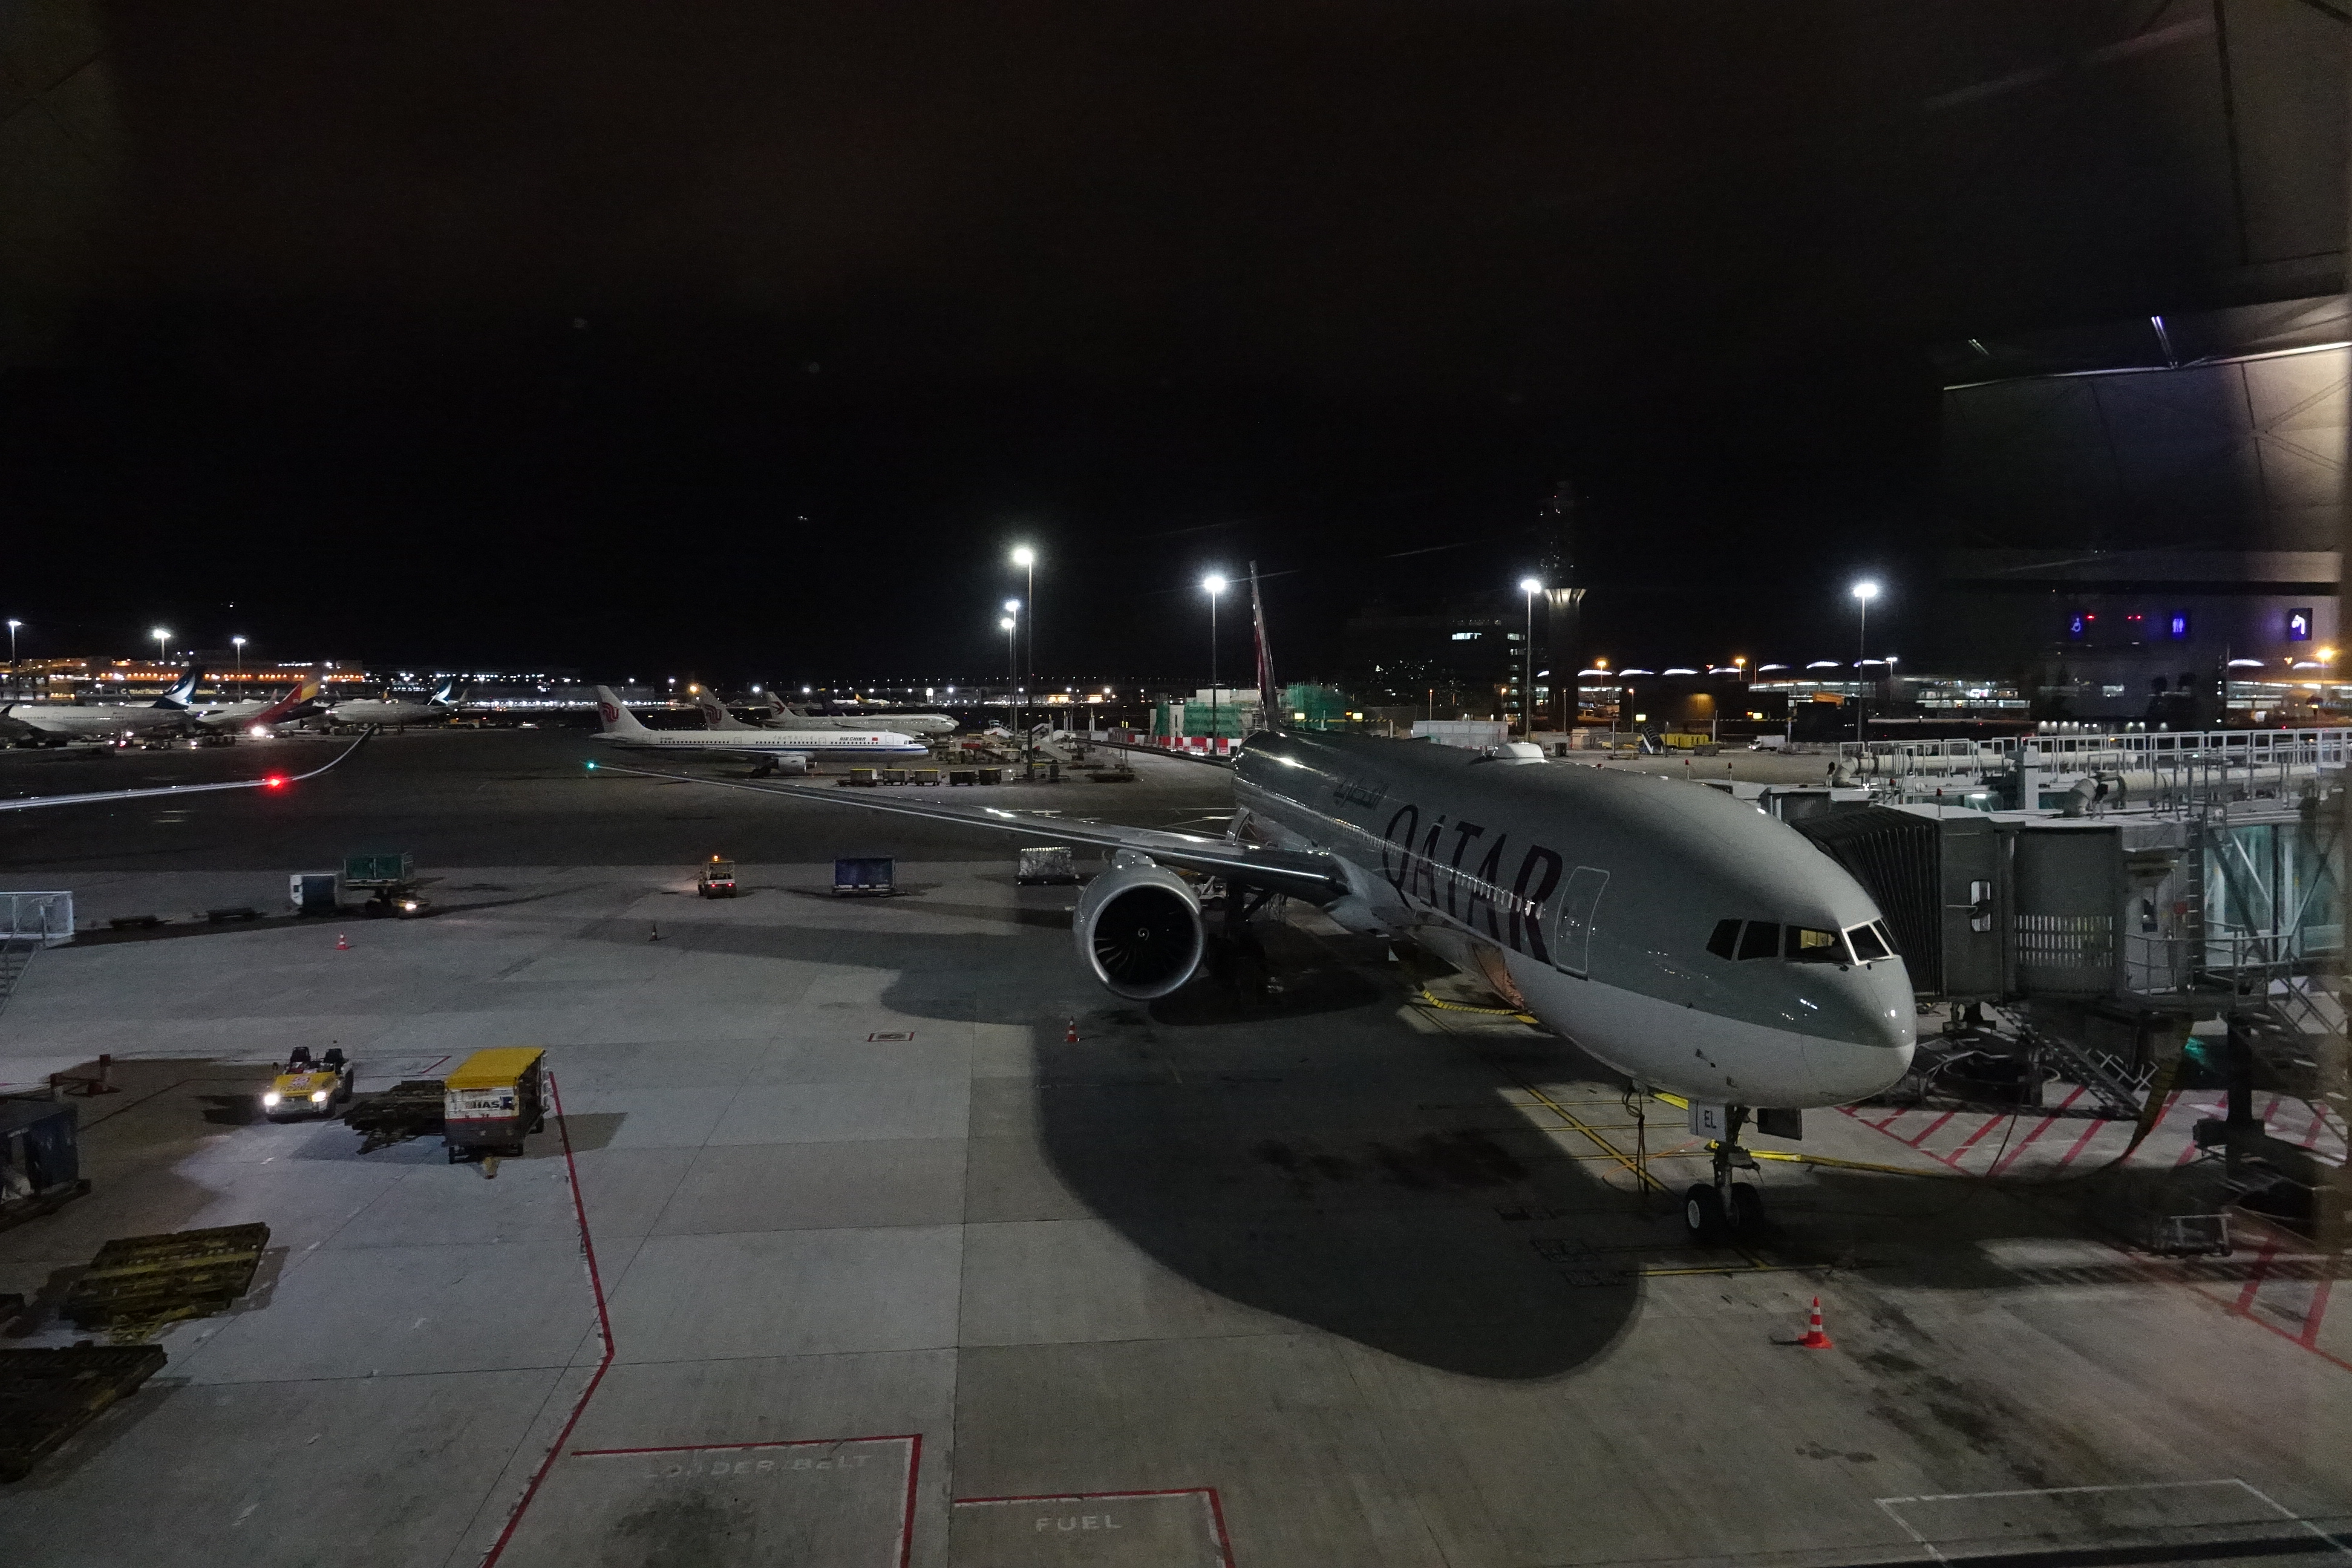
{"points": [[1602, 899]]}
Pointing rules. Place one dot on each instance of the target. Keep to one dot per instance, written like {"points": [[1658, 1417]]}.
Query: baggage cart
{"points": [[865, 873], [494, 1099], [40, 1158], [1047, 863]]}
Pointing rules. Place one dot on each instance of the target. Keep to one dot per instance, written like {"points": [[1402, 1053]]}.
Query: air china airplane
{"points": [[1686, 939], [777, 751]]}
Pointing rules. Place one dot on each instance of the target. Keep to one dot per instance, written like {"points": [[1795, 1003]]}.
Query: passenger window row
{"points": [[1799, 944]]}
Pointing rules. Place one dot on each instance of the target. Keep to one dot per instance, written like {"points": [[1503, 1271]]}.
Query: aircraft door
{"points": [[1571, 943]]}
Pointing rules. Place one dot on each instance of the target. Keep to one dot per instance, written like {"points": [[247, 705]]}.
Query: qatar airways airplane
{"points": [[1683, 937]]}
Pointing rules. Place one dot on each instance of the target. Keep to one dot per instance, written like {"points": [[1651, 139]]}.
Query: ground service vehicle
{"points": [[494, 1099], [718, 878], [308, 1087]]}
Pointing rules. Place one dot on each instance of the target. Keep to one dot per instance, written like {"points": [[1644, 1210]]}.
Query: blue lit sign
{"points": [[2298, 625], [2076, 627], [2178, 625]]}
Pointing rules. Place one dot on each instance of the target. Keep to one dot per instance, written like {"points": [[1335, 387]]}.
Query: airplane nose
{"points": [[1879, 1051]]}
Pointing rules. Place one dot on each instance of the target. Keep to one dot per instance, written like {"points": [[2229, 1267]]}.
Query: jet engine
{"points": [[791, 762], [1138, 925]]}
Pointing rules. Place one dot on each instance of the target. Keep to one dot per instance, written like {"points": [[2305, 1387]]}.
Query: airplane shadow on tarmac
{"points": [[1307, 1155]]}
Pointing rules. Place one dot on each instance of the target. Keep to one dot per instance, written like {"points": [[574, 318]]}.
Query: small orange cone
{"points": [[342, 942], [1070, 1036], [1814, 1339]]}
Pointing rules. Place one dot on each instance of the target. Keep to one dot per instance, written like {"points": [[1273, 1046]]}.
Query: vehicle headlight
{"points": [[319, 1097], [268, 1099]]}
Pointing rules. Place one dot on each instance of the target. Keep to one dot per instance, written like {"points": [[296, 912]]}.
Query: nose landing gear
{"points": [[1725, 1207]]}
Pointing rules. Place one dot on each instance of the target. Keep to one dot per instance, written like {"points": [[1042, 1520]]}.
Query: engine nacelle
{"points": [[793, 763], [1139, 926]]}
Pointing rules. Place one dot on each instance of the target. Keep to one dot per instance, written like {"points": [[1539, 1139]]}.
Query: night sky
{"points": [[741, 339]]}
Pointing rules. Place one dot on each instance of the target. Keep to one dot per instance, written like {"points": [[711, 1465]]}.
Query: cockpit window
{"points": [[1867, 943], [1725, 939], [1762, 940], [1806, 945]]}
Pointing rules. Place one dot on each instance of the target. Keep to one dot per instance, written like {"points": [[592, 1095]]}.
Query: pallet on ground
{"points": [[47, 1395], [142, 1281]]}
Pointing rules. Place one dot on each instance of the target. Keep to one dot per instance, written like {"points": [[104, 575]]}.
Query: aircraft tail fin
{"points": [[303, 692], [1268, 692], [180, 696], [615, 719], [715, 715], [451, 690]]}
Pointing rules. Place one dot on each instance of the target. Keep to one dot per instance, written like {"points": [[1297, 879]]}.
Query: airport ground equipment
{"points": [[1047, 863], [313, 892], [865, 874], [716, 880], [409, 1108], [40, 1158], [389, 880], [47, 1395], [137, 1284], [495, 1100], [309, 1087], [29, 922]]}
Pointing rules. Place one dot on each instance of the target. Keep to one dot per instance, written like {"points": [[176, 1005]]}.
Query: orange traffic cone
{"points": [[1814, 1339], [1070, 1036], [342, 942]]}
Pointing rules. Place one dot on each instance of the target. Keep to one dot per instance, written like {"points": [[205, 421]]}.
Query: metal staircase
{"points": [[16, 956]]}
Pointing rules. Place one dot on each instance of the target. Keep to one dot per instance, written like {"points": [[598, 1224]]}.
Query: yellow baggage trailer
{"points": [[493, 1100]]}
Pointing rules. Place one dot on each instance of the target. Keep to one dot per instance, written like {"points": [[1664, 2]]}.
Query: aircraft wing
{"points": [[1303, 874], [269, 781]]}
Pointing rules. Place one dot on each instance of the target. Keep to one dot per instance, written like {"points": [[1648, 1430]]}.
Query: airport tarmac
{"points": [[843, 1250]]}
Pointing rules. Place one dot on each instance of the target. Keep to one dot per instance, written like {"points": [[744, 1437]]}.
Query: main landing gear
{"points": [[1725, 1207]]}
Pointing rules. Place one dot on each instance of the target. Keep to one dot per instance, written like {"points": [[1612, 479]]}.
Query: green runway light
{"points": [[592, 767]]}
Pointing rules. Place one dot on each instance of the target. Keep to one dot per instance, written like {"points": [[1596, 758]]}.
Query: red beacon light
{"points": [[275, 781]]}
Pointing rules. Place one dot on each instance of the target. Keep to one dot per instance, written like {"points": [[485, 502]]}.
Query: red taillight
{"points": [[273, 782]]}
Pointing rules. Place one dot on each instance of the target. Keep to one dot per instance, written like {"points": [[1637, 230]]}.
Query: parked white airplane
{"points": [[779, 751], [260, 713], [788, 718], [717, 715], [67, 722], [386, 711]]}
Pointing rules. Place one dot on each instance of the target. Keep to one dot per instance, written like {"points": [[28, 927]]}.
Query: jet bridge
{"points": [[2102, 945]]}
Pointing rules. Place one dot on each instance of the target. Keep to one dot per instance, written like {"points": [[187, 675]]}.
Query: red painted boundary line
{"points": [[1954, 1158], [2081, 1144], [2254, 1277], [1216, 1506], [1923, 1137], [914, 1466], [2309, 1338], [2044, 1125], [604, 1329], [778, 1443]]}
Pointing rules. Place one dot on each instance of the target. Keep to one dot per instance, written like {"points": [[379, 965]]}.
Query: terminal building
{"points": [[2146, 516]]}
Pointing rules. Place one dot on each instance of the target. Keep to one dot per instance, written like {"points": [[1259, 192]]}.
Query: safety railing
{"points": [[45, 920], [2135, 751]]}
